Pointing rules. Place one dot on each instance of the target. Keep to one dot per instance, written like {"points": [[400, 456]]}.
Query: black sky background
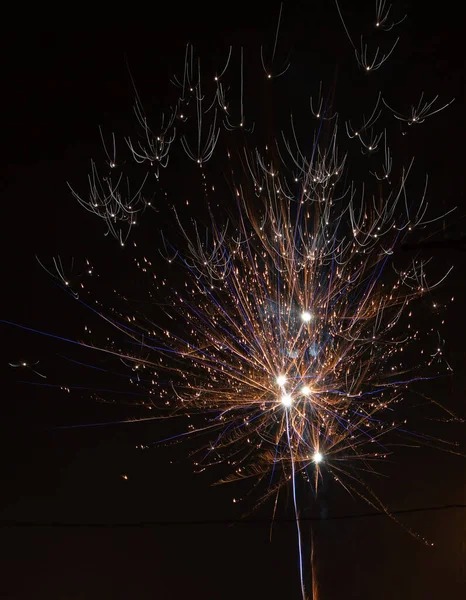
{"points": [[63, 76]]}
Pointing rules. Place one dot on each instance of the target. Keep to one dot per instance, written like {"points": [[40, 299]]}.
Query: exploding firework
{"points": [[285, 318]]}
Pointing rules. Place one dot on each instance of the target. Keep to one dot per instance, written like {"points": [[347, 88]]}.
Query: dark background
{"points": [[63, 75]]}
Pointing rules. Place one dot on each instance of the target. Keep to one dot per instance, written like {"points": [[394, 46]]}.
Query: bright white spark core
{"points": [[306, 316], [287, 400], [281, 380], [317, 458], [306, 390]]}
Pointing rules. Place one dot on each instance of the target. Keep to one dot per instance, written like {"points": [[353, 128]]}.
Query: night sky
{"points": [[72, 525]]}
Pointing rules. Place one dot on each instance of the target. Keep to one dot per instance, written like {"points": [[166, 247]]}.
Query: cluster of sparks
{"points": [[291, 322]]}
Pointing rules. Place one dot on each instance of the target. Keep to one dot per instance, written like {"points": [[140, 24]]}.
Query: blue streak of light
{"points": [[295, 502], [77, 362], [78, 387]]}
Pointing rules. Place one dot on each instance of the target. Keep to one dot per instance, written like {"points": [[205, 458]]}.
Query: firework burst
{"points": [[289, 318]]}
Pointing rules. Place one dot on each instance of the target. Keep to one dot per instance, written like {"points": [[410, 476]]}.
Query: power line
{"points": [[208, 522]]}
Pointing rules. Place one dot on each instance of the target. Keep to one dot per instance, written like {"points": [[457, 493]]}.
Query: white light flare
{"points": [[281, 380], [317, 457], [306, 316], [287, 400]]}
